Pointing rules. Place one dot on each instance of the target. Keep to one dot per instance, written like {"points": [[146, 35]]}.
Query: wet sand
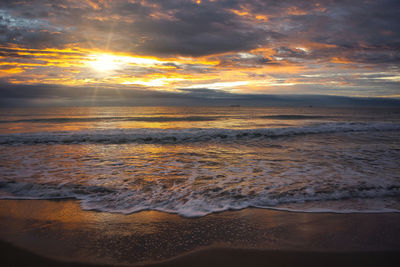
{"points": [[52, 232], [14, 256]]}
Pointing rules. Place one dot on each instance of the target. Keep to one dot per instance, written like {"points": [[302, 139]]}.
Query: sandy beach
{"points": [[60, 232]]}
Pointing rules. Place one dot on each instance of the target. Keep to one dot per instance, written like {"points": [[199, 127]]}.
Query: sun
{"points": [[109, 62], [104, 62]]}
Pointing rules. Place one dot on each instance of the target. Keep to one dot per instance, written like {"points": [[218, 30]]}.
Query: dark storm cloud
{"points": [[290, 52], [247, 60], [172, 27]]}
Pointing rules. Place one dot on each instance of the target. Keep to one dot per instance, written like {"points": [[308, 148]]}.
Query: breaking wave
{"points": [[294, 117], [121, 136], [193, 203]]}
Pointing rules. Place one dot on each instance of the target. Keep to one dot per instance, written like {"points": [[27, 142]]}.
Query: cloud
{"points": [[186, 28], [170, 27], [270, 43]]}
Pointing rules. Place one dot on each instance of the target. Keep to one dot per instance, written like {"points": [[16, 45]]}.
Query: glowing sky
{"points": [[327, 47]]}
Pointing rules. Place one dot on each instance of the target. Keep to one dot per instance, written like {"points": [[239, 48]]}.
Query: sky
{"points": [[79, 50]]}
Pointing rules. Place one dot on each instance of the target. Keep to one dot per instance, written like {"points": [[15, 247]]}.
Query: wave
{"points": [[108, 119], [209, 200], [121, 136], [294, 117], [153, 119]]}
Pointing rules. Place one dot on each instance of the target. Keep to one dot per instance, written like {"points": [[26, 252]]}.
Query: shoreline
{"points": [[62, 231], [292, 209], [15, 256]]}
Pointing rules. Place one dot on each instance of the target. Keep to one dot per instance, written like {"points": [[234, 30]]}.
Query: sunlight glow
{"points": [[153, 82], [104, 63], [109, 62]]}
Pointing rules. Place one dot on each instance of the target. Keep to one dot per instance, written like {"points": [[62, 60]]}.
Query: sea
{"points": [[194, 161]]}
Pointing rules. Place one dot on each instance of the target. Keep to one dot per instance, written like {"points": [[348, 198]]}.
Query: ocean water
{"points": [[199, 160]]}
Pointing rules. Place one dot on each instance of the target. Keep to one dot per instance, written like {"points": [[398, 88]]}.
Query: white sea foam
{"points": [[191, 202], [307, 165], [120, 136]]}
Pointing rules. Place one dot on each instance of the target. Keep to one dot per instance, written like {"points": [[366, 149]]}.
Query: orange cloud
{"points": [[296, 11], [340, 60]]}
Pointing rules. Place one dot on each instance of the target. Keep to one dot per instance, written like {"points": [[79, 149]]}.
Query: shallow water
{"points": [[195, 161]]}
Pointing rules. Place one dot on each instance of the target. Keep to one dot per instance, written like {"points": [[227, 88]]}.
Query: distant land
{"points": [[48, 95]]}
